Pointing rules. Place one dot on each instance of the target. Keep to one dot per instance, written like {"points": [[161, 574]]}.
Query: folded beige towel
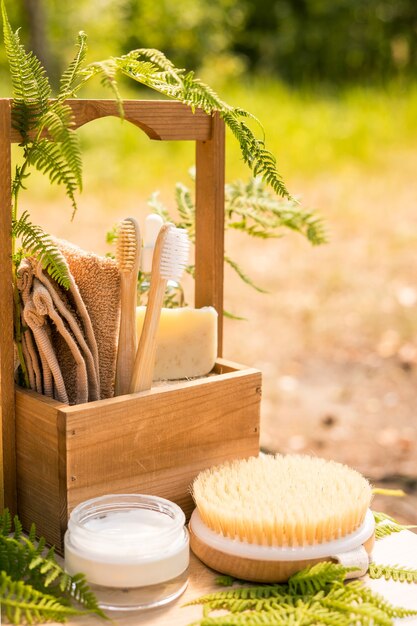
{"points": [[70, 336], [30, 353], [37, 324], [63, 335], [98, 281]]}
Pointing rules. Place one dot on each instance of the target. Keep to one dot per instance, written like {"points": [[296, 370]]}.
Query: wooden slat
{"points": [[209, 250], [159, 119], [38, 464], [7, 434]]}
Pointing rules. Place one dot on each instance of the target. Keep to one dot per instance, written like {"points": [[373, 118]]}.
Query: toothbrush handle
{"points": [[127, 332], [144, 365]]}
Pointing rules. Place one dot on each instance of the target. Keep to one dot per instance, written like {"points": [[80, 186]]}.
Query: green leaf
{"points": [[33, 586], [31, 88], [317, 577], [72, 73], [393, 572], [49, 159], [36, 242]]}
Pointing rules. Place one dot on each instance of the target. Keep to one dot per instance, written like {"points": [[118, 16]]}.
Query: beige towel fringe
{"points": [[44, 306], [56, 299], [37, 325]]}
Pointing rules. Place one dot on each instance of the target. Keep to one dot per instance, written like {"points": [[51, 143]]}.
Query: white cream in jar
{"points": [[133, 550]]}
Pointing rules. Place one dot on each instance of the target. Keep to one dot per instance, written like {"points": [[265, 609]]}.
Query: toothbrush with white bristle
{"points": [[170, 258], [128, 260]]}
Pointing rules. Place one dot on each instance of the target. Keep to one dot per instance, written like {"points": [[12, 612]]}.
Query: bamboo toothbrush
{"points": [[169, 260], [266, 517], [128, 259]]}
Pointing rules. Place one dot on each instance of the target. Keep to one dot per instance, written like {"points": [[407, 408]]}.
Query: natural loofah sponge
{"points": [[282, 501]]}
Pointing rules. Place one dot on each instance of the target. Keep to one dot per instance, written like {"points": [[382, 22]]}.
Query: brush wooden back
{"points": [[160, 120]]}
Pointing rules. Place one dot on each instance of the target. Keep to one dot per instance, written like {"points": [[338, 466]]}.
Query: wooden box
{"points": [[153, 442], [54, 455]]}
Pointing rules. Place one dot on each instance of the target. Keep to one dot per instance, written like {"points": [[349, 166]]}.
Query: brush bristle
{"points": [[174, 255], [127, 251], [282, 500]]}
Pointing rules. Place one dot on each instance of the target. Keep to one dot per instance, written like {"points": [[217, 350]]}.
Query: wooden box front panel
{"points": [[154, 442]]}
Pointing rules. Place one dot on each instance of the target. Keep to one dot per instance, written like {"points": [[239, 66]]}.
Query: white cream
{"points": [[127, 541]]}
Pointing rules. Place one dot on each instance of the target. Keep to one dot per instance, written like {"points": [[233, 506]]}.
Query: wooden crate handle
{"points": [[160, 120]]}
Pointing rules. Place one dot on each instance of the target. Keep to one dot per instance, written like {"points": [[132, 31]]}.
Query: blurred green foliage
{"points": [[300, 41]]}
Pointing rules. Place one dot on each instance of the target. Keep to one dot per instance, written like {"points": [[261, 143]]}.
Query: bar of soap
{"points": [[186, 342]]}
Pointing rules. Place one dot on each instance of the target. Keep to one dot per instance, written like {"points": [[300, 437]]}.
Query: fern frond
{"points": [[393, 572], [31, 88], [356, 591], [38, 243], [48, 158], [57, 122], [5, 523], [257, 592], [387, 525], [23, 604], [72, 73], [317, 577]]}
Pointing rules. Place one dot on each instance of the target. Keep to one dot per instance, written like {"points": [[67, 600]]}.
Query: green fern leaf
{"points": [[21, 603], [257, 592], [386, 525], [31, 88], [317, 577], [38, 243], [72, 73], [57, 122], [48, 158], [393, 572], [5, 523]]}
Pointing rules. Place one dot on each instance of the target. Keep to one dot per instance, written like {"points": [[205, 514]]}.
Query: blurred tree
{"points": [[37, 23], [338, 41], [297, 40], [193, 33]]}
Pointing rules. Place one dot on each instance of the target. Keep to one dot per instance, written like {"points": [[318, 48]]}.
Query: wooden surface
{"points": [[209, 222], [7, 428], [398, 548]]}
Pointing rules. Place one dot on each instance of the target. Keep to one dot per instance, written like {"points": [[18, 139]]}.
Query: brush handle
{"points": [[127, 332], [145, 356]]}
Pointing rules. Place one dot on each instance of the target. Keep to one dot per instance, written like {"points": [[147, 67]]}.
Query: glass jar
{"points": [[132, 548]]}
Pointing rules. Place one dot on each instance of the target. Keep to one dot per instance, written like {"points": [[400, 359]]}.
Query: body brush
{"points": [[267, 517]]}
